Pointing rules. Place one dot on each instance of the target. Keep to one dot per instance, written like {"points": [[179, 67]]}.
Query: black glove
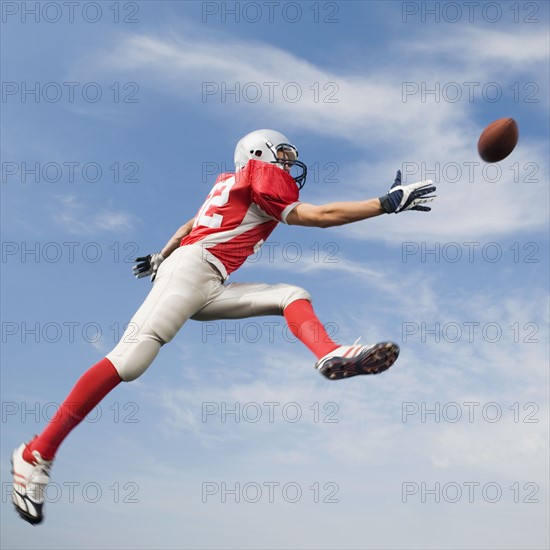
{"points": [[148, 265]]}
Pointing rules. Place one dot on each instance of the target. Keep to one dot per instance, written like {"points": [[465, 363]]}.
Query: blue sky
{"points": [[463, 290]]}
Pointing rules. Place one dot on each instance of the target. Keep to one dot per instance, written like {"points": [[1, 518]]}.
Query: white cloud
{"points": [[477, 47], [75, 218], [421, 135], [371, 428], [413, 292]]}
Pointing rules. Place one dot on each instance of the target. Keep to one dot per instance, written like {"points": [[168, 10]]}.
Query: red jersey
{"points": [[240, 213]]}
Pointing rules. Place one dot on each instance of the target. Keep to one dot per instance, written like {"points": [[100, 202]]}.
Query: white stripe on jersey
{"points": [[254, 217]]}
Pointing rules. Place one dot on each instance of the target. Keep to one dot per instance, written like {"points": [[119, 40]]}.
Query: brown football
{"points": [[498, 140]]}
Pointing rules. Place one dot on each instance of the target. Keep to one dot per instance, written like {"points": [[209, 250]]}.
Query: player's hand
{"points": [[148, 265], [408, 197]]}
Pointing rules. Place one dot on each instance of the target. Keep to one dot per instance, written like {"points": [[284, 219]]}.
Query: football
{"points": [[498, 140]]}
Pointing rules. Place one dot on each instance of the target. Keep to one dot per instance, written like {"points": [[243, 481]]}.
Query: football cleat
{"points": [[29, 484], [348, 361]]}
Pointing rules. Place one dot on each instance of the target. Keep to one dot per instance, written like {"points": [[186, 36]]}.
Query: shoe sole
{"points": [[371, 361], [33, 520]]}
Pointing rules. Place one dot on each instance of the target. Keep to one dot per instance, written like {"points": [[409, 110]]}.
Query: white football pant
{"points": [[188, 286]]}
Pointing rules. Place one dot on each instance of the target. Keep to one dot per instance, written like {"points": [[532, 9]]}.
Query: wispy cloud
{"points": [[415, 292], [430, 373], [477, 48], [427, 138], [75, 218]]}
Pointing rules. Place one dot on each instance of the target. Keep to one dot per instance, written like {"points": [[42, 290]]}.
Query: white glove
{"points": [[148, 265], [407, 197]]}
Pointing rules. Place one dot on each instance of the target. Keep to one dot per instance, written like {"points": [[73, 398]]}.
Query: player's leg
{"points": [[182, 286], [133, 354], [335, 361], [306, 326], [31, 462], [88, 391], [240, 300], [177, 293]]}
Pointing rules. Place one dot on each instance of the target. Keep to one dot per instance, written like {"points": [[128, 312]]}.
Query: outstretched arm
{"points": [[398, 199], [334, 213]]}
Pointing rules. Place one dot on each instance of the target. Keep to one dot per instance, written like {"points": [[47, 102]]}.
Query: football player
{"points": [[190, 282]]}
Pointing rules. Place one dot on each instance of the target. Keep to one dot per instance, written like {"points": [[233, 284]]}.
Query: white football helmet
{"points": [[265, 145]]}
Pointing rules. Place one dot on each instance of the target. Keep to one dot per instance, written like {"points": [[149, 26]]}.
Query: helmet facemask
{"points": [[286, 157]]}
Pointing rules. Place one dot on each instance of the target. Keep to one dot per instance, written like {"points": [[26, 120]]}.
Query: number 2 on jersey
{"points": [[217, 197]]}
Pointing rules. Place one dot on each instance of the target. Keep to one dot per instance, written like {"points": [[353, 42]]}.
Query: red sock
{"points": [[305, 325], [90, 389]]}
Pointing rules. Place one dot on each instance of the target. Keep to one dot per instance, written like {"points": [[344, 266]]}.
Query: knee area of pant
{"points": [[293, 293], [132, 361], [128, 372]]}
